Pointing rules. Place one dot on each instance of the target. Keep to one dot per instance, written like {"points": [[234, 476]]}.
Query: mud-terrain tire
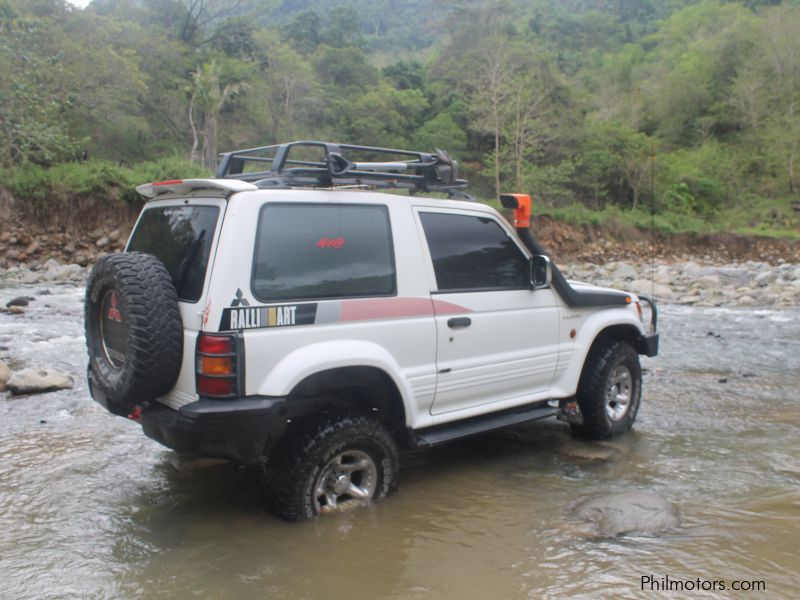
{"points": [[609, 391], [312, 469], [134, 332]]}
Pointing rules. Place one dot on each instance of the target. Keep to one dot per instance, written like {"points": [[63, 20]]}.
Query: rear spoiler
{"points": [[221, 187]]}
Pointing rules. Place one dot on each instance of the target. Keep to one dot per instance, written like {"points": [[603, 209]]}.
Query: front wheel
{"points": [[610, 391], [330, 466]]}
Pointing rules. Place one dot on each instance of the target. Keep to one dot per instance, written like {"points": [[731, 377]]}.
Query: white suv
{"points": [[260, 318]]}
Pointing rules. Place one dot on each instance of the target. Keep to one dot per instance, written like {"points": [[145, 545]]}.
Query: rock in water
{"points": [[628, 512], [5, 375], [21, 301], [37, 381]]}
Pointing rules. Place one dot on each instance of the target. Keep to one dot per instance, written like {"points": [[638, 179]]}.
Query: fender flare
{"points": [[304, 362], [591, 329]]}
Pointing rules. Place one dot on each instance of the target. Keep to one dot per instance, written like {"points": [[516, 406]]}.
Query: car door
{"points": [[497, 338]]}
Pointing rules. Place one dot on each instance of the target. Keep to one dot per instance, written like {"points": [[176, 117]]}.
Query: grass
{"points": [[68, 190], [755, 221]]}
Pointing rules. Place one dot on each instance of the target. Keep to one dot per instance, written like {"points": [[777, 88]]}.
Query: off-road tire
{"points": [[292, 472], [144, 310], [604, 365]]}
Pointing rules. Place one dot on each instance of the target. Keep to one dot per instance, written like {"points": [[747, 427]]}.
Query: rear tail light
{"points": [[218, 362]]}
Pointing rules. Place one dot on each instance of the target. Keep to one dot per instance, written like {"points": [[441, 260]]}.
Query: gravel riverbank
{"points": [[688, 283]]}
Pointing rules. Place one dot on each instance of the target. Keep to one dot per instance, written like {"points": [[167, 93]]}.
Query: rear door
{"points": [[497, 339], [182, 233]]}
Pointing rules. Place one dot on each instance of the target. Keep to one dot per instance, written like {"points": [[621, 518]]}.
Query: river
{"points": [[90, 508]]}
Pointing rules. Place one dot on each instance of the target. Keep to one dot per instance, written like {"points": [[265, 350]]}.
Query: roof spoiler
{"points": [[220, 187]]}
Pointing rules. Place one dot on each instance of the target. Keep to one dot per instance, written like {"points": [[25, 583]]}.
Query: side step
{"points": [[432, 436]]}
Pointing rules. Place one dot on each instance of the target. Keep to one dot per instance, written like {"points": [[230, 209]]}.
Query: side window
{"points": [[473, 253], [306, 251]]}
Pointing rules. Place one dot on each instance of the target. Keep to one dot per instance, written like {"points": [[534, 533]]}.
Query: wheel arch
{"points": [[596, 330], [613, 333], [358, 389]]}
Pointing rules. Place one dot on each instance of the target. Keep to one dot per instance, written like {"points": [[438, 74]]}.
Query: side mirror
{"points": [[541, 272]]}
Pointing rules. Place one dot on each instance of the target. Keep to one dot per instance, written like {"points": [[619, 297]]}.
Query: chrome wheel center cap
{"points": [[340, 483]]}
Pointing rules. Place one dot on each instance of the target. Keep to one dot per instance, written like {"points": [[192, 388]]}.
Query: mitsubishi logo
{"points": [[113, 312]]}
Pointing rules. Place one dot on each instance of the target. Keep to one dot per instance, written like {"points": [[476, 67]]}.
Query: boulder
{"points": [[20, 301], [625, 271], [5, 375], [628, 512], [708, 281], [646, 287], [765, 278], [691, 269], [29, 277], [37, 381]]}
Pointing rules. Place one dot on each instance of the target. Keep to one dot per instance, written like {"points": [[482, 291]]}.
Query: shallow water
{"points": [[89, 507]]}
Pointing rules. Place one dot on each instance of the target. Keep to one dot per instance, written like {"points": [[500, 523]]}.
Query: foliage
{"points": [[41, 190], [563, 99]]}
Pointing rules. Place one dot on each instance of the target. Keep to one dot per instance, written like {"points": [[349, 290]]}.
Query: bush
{"points": [[68, 190]]}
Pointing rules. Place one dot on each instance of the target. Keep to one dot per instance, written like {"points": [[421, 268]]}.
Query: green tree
{"points": [[209, 95]]}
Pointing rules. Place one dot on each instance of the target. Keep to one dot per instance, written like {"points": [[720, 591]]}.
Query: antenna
{"points": [[652, 220]]}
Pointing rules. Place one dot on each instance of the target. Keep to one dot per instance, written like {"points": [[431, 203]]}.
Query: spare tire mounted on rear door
{"points": [[134, 332]]}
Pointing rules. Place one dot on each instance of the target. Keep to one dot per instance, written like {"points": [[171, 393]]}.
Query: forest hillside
{"points": [[603, 110]]}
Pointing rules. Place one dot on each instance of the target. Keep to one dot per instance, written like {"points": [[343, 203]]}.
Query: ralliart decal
{"points": [[241, 316]]}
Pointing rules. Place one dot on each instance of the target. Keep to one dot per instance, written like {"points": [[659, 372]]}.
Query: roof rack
{"points": [[323, 164]]}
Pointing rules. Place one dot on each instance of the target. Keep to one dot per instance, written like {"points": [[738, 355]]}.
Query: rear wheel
{"points": [[609, 391], [330, 466]]}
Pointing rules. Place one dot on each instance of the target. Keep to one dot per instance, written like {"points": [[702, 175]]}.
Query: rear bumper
{"points": [[238, 429]]}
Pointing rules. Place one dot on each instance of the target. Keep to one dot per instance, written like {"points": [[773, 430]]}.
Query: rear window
{"points": [[179, 236], [322, 251]]}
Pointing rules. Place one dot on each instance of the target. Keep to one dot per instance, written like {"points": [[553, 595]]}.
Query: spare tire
{"points": [[134, 331]]}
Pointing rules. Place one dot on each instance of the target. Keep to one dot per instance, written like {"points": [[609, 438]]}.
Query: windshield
{"points": [[179, 236]]}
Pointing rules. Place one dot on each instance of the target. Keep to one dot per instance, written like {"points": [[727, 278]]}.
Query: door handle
{"points": [[459, 322]]}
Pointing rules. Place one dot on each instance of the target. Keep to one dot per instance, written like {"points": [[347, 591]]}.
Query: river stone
{"points": [[629, 512], [37, 381], [181, 462], [593, 452], [20, 301], [625, 271], [5, 375], [646, 287], [29, 277], [691, 269], [765, 278]]}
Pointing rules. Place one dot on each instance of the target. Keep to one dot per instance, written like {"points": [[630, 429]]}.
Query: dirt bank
{"points": [[599, 245], [32, 244]]}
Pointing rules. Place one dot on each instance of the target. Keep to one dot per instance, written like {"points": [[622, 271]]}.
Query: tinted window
{"points": [[473, 253], [180, 236], [322, 251]]}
